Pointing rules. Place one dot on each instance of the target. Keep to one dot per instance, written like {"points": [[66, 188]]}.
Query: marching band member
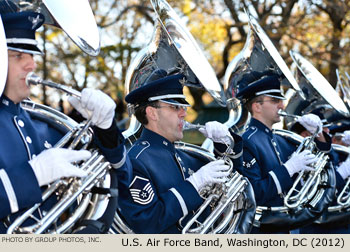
{"points": [[341, 133], [27, 161], [166, 181], [342, 171], [267, 158]]}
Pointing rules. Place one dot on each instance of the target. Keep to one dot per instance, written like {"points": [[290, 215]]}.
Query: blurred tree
{"points": [[319, 30]]}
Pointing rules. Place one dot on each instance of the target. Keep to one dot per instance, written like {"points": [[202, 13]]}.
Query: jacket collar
{"points": [[254, 123], [8, 105], [156, 140]]}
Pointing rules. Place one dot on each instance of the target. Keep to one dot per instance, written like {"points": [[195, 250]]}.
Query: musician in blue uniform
{"points": [[166, 181], [341, 133], [267, 157], [28, 161], [342, 172]]}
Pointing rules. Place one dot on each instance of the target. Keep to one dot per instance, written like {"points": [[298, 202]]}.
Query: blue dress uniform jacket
{"points": [[159, 195], [23, 137], [264, 154]]}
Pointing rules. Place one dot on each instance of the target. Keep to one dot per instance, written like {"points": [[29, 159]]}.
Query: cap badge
{"points": [[35, 21], [182, 81]]}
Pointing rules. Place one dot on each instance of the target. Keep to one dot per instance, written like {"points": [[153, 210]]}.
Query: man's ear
{"points": [[256, 107], [151, 113]]}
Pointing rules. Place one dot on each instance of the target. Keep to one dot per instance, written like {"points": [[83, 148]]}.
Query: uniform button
{"points": [[267, 131], [47, 145], [33, 156], [165, 143], [21, 123], [28, 139]]}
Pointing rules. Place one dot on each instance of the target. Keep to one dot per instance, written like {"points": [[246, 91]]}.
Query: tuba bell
{"points": [[174, 49], [258, 54], [81, 29], [318, 92], [343, 86], [77, 200]]}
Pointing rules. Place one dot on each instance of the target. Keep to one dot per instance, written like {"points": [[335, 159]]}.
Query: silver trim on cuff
{"points": [[181, 201], [9, 191]]}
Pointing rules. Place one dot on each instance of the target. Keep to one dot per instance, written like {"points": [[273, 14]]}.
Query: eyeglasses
{"points": [[176, 108], [272, 100]]}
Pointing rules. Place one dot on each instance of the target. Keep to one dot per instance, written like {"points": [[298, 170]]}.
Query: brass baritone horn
{"points": [[343, 198], [302, 206], [227, 202], [71, 191], [298, 196]]}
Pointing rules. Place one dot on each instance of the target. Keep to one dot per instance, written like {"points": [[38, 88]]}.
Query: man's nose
{"points": [[281, 105], [183, 112], [30, 63]]}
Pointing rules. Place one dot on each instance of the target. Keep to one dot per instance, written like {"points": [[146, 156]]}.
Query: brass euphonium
{"points": [[231, 209], [343, 198], [308, 182], [71, 192]]}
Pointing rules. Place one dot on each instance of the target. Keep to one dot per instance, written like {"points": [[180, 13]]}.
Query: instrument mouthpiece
{"points": [[285, 114], [190, 126], [32, 79]]}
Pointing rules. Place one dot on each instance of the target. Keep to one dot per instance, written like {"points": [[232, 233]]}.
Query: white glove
{"points": [[310, 122], [299, 162], [95, 104], [55, 163], [213, 172], [344, 169], [217, 132], [346, 137]]}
